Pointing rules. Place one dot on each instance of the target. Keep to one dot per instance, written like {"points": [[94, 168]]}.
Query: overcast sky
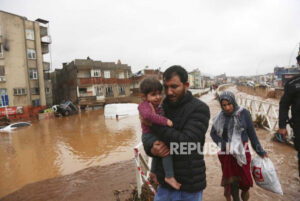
{"points": [[236, 37]]}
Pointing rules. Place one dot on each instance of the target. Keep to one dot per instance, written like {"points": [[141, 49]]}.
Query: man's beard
{"points": [[179, 98]]}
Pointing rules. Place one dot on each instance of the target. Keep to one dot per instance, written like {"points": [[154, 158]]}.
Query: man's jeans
{"points": [[164, 194]]}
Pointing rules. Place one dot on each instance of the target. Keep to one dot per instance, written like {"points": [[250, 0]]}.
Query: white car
{"points": [[14, 126], [251, 83]]}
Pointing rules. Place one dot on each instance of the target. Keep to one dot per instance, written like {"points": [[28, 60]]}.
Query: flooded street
{"points": [[61, 146], [78, 145]]}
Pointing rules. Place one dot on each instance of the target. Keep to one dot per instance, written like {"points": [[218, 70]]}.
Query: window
{"points": [[83, 92], [128, 74], [4, 97], [109, 91], [2, 71], [121, 90], [35, 91], [106, 74], [31, 54], [96, 73], [121, 75], [2, 91], [47, 76], [36, 102], [29, 34], [33, 74], [47, 89], [98, 91], [19, 91], [1, 50]]}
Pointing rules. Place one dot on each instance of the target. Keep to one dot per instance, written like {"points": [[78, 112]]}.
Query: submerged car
{"points": [[14, 126], [65, 109]]}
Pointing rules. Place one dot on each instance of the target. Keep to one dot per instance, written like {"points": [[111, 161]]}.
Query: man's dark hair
{"points": [[150, 84], [176, 70], [298, 58]]}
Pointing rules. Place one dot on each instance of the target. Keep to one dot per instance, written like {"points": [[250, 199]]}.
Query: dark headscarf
{"points": [[229, 96]]}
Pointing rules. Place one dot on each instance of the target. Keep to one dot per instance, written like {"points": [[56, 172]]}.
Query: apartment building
{"points": [[195, 79], [89, 82], [23, 87]]}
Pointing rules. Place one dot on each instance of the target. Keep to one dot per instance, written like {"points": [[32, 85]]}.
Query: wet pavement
{"points": [[63, 146]]}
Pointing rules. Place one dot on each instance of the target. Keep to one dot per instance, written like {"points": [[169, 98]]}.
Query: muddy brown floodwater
{"points": [[71, 159], [61, 146]]}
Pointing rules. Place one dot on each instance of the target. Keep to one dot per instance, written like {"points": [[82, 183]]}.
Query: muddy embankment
{"points": [[94, 183]]}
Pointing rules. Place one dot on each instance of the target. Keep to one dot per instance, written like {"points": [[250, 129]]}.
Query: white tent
{"points": [[120, 109]]}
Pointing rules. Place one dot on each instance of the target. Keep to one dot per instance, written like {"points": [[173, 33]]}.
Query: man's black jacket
{"points": [[190, 118], [291, 97]]}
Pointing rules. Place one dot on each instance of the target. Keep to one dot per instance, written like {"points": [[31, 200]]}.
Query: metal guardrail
{"points": [[143, 164], [266, 110], [257, 108]]}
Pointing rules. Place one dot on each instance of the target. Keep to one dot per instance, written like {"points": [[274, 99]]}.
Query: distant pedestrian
{"points": [[231, 129], [151, 111]]}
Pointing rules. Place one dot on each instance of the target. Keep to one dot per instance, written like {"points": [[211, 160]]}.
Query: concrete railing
{"points": [[199, 92]]}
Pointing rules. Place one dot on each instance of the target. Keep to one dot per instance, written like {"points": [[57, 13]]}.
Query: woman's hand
{"points": [[283, 132], [265, 156]]}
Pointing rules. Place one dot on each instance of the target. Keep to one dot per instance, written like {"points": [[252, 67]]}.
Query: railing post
{"points": [[139, 181]]}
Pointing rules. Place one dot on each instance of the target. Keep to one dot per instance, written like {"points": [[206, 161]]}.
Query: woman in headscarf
{"points": [[231, 129]]}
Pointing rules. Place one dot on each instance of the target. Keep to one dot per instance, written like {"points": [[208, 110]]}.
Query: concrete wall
{"points": [[263, 92], [13, 37], [15, 59]]}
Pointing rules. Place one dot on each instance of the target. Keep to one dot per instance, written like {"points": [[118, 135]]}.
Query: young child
{"points": [[150, 111]]}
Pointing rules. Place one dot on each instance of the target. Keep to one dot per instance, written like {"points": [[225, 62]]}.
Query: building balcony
{"points": [[90, 100], [81, 95], [43, 31], [2, 79], [100, 80], [46, 40], [46, 66], [45, 48], [110, 94], [47, 76]]}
